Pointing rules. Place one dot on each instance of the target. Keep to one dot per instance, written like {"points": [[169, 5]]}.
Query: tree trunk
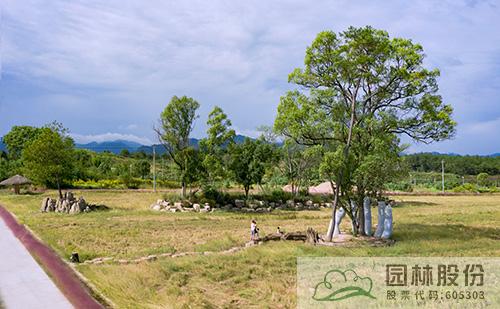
{"points": [[361, 217], [329, 235], [59, 188], [247, 188], [16, 189], [346, 155]]}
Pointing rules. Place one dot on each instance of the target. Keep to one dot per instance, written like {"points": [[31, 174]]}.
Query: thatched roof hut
{"points": [[15, 181]]}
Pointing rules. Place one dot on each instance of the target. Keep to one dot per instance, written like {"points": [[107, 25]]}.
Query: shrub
{"points": [[214, 196], [467, 187]]}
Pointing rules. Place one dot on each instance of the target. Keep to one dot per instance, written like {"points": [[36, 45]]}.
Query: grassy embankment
{"points": [[257, 277]]}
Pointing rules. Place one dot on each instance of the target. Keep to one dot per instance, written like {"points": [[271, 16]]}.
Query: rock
{"points": [[196, 207], [173, 209], [290, 203], [309, 203], [228, 206], [253, 205], [81, 203], [239, 203], [74, 209], [158, 202], [45, 204], [164, 204], [156, 207], [52, 206], [152, 206], [178, 206]]}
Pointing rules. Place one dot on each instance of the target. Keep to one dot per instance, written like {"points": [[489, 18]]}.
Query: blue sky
{"points": [[106, 69]]}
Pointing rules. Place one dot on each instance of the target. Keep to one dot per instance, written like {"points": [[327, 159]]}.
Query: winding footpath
{"points": [[24, 284]]}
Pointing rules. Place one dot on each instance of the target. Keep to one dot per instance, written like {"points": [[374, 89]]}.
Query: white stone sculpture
{"points": [[381, 219], [338, 218], [354, 211], [387, 222], [368, 216]]}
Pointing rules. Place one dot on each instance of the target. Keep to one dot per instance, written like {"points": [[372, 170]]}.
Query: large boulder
{"points": [[196, 207], [45, 204]]}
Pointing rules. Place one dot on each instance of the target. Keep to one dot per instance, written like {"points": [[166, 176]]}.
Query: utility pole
{"points": [[442, 176], [154, 169]]}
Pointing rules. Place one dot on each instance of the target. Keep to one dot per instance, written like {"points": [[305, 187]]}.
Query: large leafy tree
{"points": [[176, 124], [18, 137], [48, 159], [219, 137], [361, 81]]}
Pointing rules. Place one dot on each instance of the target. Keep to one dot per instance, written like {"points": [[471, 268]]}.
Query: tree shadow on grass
{"points": [[413, 203], [414, 231]]}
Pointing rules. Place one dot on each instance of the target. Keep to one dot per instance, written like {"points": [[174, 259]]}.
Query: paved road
{"points": [[23, 284]]}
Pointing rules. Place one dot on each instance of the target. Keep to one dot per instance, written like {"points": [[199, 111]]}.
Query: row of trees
{"points": [[218, 157], [460, 165]]}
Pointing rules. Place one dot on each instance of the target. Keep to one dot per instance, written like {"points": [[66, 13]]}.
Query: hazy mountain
{"points": [[111, 146], [238, 139]]}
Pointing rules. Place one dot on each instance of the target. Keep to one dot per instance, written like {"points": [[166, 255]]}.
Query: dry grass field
{"points": [[258, 277]]}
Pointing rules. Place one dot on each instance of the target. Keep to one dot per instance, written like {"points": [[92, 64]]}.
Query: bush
{"points": [[214, 196], [467, 187]]}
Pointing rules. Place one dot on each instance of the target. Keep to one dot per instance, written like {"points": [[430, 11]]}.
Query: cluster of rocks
{"points": [[166, 206], [239, 206], [68, 204]]}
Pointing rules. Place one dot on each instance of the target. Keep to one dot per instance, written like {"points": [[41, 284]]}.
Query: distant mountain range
{"points": [[117, 146]]}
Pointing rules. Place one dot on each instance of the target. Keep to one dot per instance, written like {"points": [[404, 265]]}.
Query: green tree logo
{"points": [[338, 285]]}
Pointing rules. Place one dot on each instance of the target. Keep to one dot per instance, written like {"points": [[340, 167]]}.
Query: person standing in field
{"points": [[254, 231]]}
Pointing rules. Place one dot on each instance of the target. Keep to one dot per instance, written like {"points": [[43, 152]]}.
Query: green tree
{"points": [[219, 138], [482, 179], [248, 162], [48, 159], [125, 153], [361, 80], [141, 168], [299, 164], [18, 137], [176, 124]]}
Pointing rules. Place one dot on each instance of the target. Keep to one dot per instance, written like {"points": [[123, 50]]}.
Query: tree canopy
{"points": [[48, 159], [176, 125]]}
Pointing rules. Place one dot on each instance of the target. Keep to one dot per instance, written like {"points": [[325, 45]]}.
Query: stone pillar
{"points": [[368, 216], [381, 219], [338, 218], [387, 222], [354, 209]]}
